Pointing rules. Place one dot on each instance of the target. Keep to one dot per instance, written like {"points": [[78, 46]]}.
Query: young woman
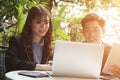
{"points": [[31, 50]]}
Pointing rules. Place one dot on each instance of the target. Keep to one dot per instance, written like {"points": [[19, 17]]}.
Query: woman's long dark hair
{"points": [[27, 30]]}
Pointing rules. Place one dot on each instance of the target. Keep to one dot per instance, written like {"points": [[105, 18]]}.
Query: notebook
{"points": [[77, 59], [113, 58]]}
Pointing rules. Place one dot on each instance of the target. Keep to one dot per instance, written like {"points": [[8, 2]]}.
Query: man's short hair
{"points": [[93, 17]]}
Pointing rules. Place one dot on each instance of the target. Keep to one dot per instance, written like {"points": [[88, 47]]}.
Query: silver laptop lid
{"points": [[113, 58], [77, 59]]}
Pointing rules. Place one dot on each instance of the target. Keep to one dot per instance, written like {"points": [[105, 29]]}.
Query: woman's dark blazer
{"points": [[19, 58]]}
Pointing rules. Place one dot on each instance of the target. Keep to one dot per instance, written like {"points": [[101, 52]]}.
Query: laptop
{"points": [[77, 59], [113, 58]]}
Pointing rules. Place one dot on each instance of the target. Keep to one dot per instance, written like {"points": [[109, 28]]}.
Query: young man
{"points": [[93, 29]]}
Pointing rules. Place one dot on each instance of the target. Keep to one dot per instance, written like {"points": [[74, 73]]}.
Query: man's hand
{"points": [[115, 70]]}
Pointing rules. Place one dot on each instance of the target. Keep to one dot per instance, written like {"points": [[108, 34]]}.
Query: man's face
{"points": [[92, 32]]}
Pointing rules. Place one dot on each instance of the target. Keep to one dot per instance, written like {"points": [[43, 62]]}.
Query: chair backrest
{"points": [[2, 61]]}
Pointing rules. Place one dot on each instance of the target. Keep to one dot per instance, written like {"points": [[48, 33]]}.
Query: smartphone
{"points": [[33, 74]]}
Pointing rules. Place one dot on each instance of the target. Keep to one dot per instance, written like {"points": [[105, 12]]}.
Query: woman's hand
{"points": [[115, 70], [43, 67], [49, 62]]}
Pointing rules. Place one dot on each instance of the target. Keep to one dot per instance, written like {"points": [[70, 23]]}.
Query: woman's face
{"points": [[40, 26]]}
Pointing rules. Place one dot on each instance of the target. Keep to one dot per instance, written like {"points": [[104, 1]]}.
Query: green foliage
{"points": [[20, 18], [58, 31], [44, 3], [61, 11], [71, 25], [75, 29], [61, 35], [16, 9], [56, 22], [4, 36]]}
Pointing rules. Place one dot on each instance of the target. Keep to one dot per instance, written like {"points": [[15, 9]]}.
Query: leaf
{"points": [[20, 18], [56, 22], [62, 10], [61, 35]]}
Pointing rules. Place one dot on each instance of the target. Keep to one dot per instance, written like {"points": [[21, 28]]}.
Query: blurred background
{"points": [[66, 17]]}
